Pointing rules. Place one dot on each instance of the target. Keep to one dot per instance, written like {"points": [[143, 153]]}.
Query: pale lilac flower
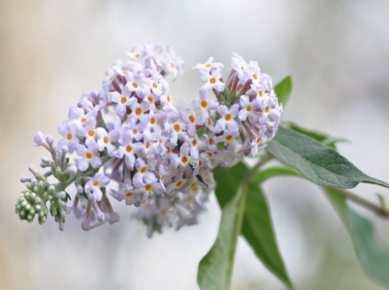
{"points": [[143, 175], [69, 135], [94, 185], [89, 155], [91, 132], [190, 119], [227, 118], [249, 109], [136, 53], [205, 105], [212, 81], [107, 140], [208, 65], [137, 83], [139, 111], [151, 149], [123, 100], [40, 140], [128, 149]]}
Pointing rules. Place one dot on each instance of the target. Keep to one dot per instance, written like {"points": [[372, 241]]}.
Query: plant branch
{"points": [[379, 210]]}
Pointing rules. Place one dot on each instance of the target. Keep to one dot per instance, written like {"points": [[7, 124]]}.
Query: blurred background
{"points": [[337, 53]]}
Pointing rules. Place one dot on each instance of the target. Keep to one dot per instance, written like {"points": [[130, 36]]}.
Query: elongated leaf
{"points": [[257, 227], [318, 136], [258, 230], [372, 253], [319, 163], [283, 90], [215, 268]]}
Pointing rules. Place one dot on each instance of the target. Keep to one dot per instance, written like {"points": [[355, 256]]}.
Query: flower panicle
{"points": [[129, 142]]}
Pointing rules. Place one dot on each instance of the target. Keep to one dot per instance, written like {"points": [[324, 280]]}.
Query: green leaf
{"points": [[283, 90], [257, 227], [372, 253], [220, 146], [215, 268], [318, 136], [200, 132], [267, 173], [258, 230], [319, 163]]}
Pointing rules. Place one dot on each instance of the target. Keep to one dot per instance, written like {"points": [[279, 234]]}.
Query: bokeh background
{"points": [[50, 51]]}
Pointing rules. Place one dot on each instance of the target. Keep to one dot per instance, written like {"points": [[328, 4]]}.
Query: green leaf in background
{"points": [[215, 268], [283, 90], [200, 132], [267, 173], [319, 163], [257, 227], [318, 136], [372, 253]]}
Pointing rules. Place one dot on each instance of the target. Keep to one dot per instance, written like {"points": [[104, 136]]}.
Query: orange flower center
{"points": [[88, 155], [204, 104], [227, 117], [129, 194], [177, 128], [123, 100], [128, 149], [106, 140], [212, 81], [91, 133], [138, 111], [69, 136]]}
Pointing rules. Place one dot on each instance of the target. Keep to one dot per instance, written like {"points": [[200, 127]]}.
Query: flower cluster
{"points": [[130, 136]]}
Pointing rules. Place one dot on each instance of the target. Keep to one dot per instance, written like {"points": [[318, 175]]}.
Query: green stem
{"points": [[63, 185], [267, 157], [379, 210]]}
